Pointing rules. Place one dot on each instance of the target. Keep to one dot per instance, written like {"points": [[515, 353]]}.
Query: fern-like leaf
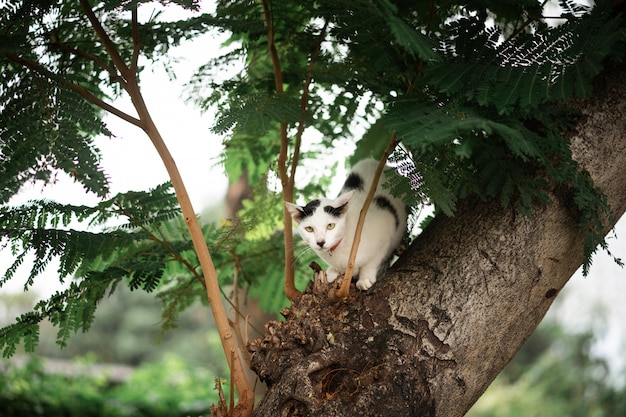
{"points": [[527, 70], [414, 42]]}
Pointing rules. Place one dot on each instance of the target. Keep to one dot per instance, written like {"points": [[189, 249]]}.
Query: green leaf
{"points": [[411, 39]]}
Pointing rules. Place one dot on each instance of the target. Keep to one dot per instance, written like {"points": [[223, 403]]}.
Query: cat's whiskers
{"points": [[301, 253], [300, 249]]}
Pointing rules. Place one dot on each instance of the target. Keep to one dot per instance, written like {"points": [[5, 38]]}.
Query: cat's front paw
{"points": [[331, 275], [366, 281]]}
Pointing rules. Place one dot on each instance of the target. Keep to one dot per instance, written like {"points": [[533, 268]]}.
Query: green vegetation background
{"points": [[555, 374], [169, 376]]}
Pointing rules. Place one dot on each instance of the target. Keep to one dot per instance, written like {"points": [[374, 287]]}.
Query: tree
{"points": [[487, 112]]}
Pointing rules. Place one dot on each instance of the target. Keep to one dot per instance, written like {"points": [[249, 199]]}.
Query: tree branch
{"points": [[246, 395], [110, 47], [236, 325], [287, 184], [99, 62], [269, 23], [304, 103], [136, 42], [40, 69], [342, 292]]}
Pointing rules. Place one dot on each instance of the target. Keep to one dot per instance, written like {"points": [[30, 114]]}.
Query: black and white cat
{"points": [[328, 226]]}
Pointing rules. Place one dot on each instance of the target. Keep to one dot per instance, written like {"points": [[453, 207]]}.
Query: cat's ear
{"points": [[295, 211], [339, 205], [343, 199]]}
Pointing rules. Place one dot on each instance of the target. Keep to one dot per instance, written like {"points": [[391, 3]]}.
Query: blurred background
{"points": [[573, 365]]}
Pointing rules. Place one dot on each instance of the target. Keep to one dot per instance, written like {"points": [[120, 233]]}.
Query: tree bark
{"points": [[430, 337]]}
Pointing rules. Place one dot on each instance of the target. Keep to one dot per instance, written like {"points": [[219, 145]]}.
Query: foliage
{"points": [[148, 249], [475, 92], [132, 338], [122, 252], [180, 389], [554, 374], [477, 105], [166, 388]]}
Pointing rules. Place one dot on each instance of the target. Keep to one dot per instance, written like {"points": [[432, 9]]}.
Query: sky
{"points": [[133, 164]]}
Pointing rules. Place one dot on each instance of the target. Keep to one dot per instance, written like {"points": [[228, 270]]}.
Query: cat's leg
{"points": [[370, 270], [332, 274], [367, 276]]}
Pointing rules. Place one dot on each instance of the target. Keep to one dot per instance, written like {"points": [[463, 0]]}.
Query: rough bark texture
{"points": [[430, 337]]}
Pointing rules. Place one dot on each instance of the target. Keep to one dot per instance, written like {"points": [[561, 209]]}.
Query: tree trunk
{"points": [[429, 338]]}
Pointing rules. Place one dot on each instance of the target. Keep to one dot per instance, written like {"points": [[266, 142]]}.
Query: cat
{"points": [[328, 226]]}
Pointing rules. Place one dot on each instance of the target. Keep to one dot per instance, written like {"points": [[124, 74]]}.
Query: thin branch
{"points": [[99, 62], [520, 29], [40, 69], [104, 38], [164, 243], [431, 17], [231, 394], [304, 102], [194, 272], [290, 289], [420, 64], [269, 23], [343, 291], [246, 395], [236, 325], [136, 41], [245, 328], [246, 317]]}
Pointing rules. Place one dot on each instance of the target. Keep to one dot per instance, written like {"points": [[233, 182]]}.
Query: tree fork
{"points": [[429, 338]]}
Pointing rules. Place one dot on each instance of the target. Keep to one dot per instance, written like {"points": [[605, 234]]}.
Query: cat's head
{"points": [[321, 223]]}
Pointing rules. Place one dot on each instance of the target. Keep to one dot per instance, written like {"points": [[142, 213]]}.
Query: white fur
{"points": [[379, 238]]}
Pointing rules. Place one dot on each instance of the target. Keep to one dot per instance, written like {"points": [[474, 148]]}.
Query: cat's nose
{"points": [[321, 243]]}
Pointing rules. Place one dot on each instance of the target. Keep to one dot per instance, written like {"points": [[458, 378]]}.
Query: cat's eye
{"points": [[330, 226], [309, 229]]}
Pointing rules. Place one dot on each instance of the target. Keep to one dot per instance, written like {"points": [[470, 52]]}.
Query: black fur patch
{"points": [[385, 204], [335, 211], [353, 182], [309, 209]]}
